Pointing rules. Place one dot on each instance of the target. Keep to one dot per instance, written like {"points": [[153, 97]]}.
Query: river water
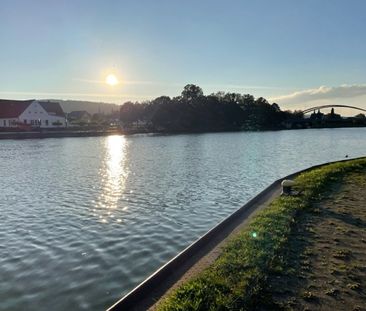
{"points": [[84, 220]]}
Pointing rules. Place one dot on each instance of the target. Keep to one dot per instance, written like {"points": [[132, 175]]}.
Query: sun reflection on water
{"points": [[113, 174]]}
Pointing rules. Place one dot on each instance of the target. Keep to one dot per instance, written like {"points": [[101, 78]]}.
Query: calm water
{"points": [[84, 220]]}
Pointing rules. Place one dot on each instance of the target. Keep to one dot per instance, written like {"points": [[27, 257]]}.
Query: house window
{"points": [[25, 121], [4, 122], [46, 122], [32, 122]]}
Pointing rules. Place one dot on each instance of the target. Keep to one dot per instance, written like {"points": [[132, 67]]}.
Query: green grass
{"points": [[236, 281]]}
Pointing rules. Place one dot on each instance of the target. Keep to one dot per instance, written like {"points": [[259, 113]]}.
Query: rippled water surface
{"points": [[84, 220]]}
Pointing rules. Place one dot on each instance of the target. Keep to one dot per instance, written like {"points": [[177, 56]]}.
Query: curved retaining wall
{"points": [[150, 290]]}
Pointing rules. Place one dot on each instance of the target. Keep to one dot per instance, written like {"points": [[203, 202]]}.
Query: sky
{"points": [[296, 53]]}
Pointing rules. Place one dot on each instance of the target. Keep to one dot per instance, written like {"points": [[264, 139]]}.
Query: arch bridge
{"points": [[307, 110]]}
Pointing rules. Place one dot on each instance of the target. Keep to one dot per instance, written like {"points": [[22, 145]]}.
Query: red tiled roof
{"points": [[13, 108], [53, 108]]}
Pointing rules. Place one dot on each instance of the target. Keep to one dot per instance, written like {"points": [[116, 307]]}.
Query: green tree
{"points": [[130, 113], [191, 92]]}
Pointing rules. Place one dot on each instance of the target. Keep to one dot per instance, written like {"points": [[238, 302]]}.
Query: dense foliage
{"points": [[237, 280], [193, 111]]}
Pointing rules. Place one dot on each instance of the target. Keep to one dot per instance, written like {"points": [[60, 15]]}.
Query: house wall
{"points": [[35, 114], [9, 122]]}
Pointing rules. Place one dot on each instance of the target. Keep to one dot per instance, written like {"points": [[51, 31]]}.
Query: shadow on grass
{"points": [[293, 271], [347, 218]]}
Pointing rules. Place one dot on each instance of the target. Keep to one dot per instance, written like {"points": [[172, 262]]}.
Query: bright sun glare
{"points": [[111, 79]]}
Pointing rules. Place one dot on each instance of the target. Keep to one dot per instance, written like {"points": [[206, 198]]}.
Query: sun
{"points": [[111, 80]]}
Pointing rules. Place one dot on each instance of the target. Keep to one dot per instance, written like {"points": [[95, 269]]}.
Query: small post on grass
{"points": [[287, 185]]}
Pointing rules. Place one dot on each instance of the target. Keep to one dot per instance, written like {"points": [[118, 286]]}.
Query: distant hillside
{"points": [[91, 107]]}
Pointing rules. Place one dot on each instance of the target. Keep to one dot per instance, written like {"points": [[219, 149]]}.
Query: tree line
{"points": [[193, 111]]}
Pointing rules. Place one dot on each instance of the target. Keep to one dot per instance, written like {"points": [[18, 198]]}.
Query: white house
{"points": [[31, 113]]}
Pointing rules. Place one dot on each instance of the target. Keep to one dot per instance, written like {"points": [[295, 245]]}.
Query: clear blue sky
{"points": [[61, 49]]}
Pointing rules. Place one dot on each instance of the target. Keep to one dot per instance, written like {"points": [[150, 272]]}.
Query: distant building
{"points": [[332, 116], [81, 116], [31, 113], [317, 116]]}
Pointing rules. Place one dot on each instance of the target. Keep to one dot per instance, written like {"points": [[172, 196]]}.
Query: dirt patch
{"points": [[327, 254]]}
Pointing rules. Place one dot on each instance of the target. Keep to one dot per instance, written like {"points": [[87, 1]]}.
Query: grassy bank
{"points": [[327, 253], [238, 279]]}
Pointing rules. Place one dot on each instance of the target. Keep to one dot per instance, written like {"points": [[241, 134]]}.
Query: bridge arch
{"points": [[307, 110]]}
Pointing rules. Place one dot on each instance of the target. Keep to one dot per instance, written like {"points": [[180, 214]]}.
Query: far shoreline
{"points": [[63, 133]]}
